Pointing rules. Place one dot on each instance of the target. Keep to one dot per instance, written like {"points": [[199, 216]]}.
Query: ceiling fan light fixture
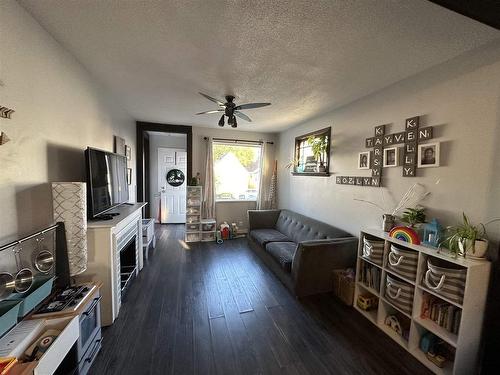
{"points": [[234, 124], [221, 121]]}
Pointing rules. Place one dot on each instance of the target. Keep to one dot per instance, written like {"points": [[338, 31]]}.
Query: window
{"points": [[312, 153], [236, 171]]}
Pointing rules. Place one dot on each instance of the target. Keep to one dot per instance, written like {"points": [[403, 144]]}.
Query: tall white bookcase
{"points": [[467, 341]]}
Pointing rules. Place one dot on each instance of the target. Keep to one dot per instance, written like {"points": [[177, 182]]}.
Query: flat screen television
{"points": [[106, 181]]}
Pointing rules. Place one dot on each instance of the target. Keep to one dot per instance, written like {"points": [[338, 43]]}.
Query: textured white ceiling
{"points": [[305, 57]]}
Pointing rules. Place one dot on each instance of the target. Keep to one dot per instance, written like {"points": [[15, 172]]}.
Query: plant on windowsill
{"points": [[467, 239], [319, 146]]}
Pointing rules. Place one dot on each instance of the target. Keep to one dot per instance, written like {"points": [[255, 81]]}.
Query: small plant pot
{"points": [[321, 167], [478, 251]]}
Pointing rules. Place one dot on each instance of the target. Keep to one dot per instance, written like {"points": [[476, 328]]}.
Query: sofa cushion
{"points": [[283, 253], [264, 236], [300, 228]]}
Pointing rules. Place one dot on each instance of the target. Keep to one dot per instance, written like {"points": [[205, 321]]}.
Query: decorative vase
{"points": [[388, 222], [70, 206]]}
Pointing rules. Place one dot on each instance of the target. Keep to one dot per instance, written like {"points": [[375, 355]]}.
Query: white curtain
{"points": [[267, 157], [208, 186]]}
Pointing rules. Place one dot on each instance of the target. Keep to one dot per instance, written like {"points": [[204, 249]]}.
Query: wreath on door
{"points": [[175, 177]]}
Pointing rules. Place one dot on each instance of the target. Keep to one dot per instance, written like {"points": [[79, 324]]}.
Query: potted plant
{"points": [[319, 146], [467, 239], [414, 216]]}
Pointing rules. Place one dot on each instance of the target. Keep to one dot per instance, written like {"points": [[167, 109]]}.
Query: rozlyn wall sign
{"points": [[410, 137]]}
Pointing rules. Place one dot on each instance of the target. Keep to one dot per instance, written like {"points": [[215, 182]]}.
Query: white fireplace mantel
{"points": [[104, 238]]}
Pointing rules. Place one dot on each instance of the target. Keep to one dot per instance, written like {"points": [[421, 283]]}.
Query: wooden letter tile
{"points": [[425, 133], [412, 122], [379, 130], [409, 171], [399, 137]]}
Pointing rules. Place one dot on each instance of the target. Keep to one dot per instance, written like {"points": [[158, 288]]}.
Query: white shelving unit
{"points": [[193, 213], [466, 342]]}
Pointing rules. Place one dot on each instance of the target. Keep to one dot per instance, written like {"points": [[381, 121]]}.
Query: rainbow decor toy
{"points": [[405, 234]]}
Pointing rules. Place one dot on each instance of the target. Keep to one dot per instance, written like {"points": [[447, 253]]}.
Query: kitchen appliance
{"points": [[66, 300]]}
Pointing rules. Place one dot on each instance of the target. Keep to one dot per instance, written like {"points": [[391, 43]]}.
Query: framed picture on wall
{"points": [[119, 145], [312, 153], [391, 157], [128, 152], [364, 160], [129, 176], [428, 155]]}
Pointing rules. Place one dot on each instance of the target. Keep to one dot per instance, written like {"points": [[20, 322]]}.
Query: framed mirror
{"points": [[312, 153]]}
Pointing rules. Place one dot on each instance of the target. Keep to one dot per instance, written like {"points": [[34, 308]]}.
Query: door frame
{"points": [[142, 159]]}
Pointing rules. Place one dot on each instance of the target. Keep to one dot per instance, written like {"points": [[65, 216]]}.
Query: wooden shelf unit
{"points": [[466, 342]]}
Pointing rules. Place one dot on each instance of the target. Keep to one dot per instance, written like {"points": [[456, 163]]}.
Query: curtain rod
{"points": [[238, 140]]}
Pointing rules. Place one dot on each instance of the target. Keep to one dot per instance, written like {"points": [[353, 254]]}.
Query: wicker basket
{"points": [[343, 286], [446, 281], [373, 250], [403, 262]]}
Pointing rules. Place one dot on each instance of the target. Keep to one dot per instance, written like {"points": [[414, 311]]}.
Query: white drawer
{"points": [[52, 358]]}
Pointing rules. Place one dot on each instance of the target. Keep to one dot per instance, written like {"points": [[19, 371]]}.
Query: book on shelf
{"points": [[370, 276], [440, 312]]}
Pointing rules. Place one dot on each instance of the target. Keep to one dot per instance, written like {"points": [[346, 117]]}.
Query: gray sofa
{"points": [[301, 251]]}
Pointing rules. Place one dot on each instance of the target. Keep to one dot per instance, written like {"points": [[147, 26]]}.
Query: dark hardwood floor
{"points": [[216, 309]]}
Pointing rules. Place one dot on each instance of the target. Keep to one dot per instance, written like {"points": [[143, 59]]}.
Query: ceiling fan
{"points": [[231, 110]]}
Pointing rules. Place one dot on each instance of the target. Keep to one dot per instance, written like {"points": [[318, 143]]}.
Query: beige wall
{"points": [[60, 110], [461, 99], [226, 211]]}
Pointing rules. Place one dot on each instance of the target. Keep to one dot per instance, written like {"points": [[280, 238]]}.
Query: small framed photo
{"points": [[128, 152], [364, 160], [119, 145], [129, 176], [391, 157], [428, 155]]}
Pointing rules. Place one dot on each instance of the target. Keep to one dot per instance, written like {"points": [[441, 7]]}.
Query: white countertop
{"points": [[125, 210]]}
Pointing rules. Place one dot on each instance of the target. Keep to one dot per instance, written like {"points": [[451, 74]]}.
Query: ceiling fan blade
{"points": [[251, 105], [207, 112], [212, 99], [242, 115]]}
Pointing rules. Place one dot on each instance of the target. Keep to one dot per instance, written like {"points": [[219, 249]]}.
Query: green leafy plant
{"points": [[456, 236], [414, 216], [319, 146]]}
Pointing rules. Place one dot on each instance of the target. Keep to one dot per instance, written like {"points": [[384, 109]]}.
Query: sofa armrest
{"points": [[315, 260], [262, 219]]}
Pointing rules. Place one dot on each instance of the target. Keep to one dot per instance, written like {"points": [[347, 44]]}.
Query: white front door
{"points": [[172, 181]]}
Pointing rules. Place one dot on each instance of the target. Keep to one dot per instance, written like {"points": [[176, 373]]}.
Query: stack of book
{"points": [[370, 275], [442, 313]]}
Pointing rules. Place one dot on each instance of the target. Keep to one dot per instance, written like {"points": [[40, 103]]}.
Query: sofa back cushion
{"points": [[302, 228]]}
